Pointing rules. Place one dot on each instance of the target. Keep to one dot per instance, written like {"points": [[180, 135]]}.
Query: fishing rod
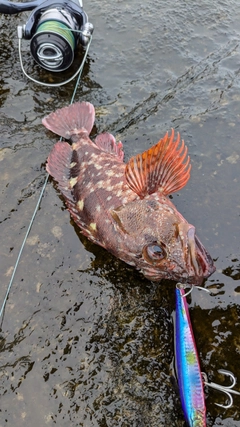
{"points": [[55, 28]]}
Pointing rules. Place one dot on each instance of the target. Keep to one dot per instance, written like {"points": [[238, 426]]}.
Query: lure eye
{"points": [[154, 253]]}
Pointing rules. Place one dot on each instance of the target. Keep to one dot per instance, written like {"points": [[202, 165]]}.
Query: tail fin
{"points": [[66, 121]]}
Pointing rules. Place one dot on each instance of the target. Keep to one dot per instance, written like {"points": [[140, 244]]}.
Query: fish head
{"points": [[160, 242], [166, 244]]}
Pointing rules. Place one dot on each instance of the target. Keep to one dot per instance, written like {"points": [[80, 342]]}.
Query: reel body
{"points": [[54, 28]]}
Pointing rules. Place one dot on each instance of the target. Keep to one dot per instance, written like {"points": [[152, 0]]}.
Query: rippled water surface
{"points": [[86, 340]]}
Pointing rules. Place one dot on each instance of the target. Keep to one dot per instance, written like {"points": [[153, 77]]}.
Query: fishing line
{"points": [[79, 72]]}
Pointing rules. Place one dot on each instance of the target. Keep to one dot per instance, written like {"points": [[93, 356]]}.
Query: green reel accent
{"points": [[59, 28]]}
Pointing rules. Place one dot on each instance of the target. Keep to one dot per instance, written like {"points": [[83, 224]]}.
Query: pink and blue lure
{"points": [[190, 379]]}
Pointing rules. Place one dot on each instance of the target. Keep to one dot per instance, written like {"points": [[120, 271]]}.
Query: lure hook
{"points": [[184, 286], [191, 286], [228, 390]]}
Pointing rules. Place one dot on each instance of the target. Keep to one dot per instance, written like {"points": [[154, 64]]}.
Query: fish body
{"points": [[188, 367], [124, 207]]}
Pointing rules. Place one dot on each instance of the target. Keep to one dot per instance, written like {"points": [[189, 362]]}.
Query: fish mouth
{"points": [[200, 259]]}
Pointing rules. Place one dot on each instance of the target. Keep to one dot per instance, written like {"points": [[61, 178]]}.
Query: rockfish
{"points": [[124, 207]]}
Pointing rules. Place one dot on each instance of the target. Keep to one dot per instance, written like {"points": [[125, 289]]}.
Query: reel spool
{"points": [[53, 44]]}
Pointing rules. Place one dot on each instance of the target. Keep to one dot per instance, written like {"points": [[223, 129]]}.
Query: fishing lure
{"points": [[190, 378]]}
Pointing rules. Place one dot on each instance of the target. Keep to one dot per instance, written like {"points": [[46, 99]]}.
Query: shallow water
{"points": [[87, 341]]}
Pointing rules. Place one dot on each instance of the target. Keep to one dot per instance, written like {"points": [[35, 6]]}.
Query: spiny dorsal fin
{"points": [[107, 142], [161, 168]]}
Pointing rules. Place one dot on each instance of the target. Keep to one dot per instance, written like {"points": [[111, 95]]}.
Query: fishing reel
{"points": [[54, 28]]}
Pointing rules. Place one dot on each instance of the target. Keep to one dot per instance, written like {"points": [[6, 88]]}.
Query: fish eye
{"points": [[154, 253]]}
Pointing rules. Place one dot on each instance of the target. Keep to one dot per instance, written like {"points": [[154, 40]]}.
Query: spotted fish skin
{"points": [[188, 367], [124, 207]]}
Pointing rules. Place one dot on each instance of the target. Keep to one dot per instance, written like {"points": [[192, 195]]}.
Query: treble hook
{"points": [[228, 390]]}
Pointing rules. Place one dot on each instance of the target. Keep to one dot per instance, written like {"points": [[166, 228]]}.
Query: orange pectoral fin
{"points": [[164, 167]]}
